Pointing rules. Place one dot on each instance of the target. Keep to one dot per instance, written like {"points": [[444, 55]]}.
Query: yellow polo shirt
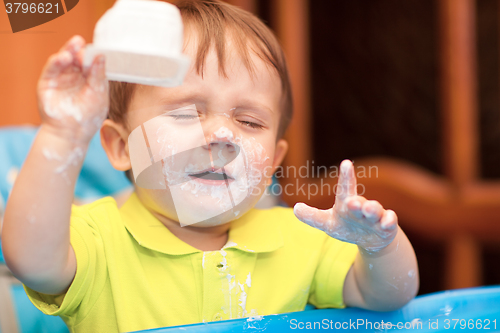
{"points": [[134, 274]]}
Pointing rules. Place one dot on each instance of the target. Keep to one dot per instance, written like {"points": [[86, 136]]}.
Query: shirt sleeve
{"points": [[328, 282], [90, 260]]}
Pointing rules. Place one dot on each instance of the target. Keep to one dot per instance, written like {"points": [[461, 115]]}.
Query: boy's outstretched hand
{"points": [[73, 100], [352, 218], [384, 275]]}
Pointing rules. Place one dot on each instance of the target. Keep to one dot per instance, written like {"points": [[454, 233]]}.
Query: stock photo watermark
{"points": [[414, 325], [312, 180], [24, 15]]}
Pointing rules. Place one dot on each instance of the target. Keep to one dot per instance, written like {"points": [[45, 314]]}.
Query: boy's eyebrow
{"points": [[252, 104], [188, 99], [195, 99]]}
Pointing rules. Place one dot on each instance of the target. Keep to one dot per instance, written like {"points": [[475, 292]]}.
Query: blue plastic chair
{"points": [[97, 179], [458, 310]]}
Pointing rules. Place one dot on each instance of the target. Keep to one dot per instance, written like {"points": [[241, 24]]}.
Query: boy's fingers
{"points": [[355, 205], [97, 78], [68, 55], [346, 186], [317, 218], [56, 64], [73, 45], [79, 57], [389, 220], [372, 211]]}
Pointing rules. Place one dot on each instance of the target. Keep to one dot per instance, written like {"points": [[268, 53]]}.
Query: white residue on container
{"points": [[446, 309], [255, 317]]}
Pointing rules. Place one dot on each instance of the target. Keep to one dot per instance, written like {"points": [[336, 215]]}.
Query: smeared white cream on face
{"points": [[212, 178], [224, 133], [245, 174]]}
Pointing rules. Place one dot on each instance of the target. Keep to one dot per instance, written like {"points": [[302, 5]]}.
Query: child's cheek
{"points": [[256, 163]]}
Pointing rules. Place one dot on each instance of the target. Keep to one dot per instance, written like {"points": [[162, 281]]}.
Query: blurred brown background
{"points": [[411, 87]]}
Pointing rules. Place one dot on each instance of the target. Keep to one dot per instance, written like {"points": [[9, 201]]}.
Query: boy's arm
{"points": [[384, 275], [73, 102], [384, 280]]}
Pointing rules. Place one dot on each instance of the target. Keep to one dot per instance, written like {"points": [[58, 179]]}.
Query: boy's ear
{"points": [[279, 153], [114, 140]]}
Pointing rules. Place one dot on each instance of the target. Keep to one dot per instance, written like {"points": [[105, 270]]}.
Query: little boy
{"points": [[108, 269]]}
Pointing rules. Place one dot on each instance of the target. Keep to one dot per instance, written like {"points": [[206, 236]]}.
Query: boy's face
{"points": [[224, 174]]}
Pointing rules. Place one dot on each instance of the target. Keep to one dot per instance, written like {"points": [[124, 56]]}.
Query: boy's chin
{"points": [[223, 218]]}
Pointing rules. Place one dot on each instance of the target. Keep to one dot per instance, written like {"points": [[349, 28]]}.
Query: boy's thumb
{"points": [[97, 77], [314, 217]]}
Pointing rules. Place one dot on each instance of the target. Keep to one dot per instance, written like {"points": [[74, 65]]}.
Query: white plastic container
{"points": [[142, 41]]}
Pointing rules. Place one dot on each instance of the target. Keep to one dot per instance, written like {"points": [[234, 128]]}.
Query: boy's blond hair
{"points": [[212, 20]]}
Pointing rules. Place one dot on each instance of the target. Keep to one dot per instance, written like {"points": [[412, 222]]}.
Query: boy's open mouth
{"points": [[213, 176]]}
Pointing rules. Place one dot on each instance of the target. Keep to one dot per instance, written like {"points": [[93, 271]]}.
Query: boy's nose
{"points": [[222, 145], [222, 152]]}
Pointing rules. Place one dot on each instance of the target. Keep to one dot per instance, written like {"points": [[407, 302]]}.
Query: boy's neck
{"points": [[205, 239]]}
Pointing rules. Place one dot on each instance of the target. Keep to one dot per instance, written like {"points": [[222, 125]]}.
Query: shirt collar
{"points": [[256, 231]]}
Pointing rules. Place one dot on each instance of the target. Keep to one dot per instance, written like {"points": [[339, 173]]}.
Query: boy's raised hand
{"points": [[73, 100], [352, 218]]}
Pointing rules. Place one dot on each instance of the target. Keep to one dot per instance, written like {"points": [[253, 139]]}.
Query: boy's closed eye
{"points": [[251, 124], [183, 116], [179, 116]]}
